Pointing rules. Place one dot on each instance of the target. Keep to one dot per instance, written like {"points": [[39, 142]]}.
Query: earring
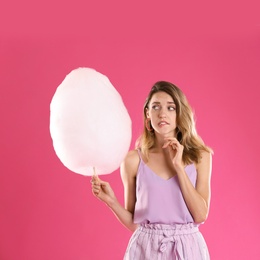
{"points": [[148, 125]]}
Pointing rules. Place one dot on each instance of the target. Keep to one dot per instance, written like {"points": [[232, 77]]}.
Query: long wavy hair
{"points": [[185, 131]]}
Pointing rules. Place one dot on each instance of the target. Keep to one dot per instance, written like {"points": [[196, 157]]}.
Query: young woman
{"points": [[166, 182]]}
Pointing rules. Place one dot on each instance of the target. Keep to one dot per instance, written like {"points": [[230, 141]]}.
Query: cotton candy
{"points": [[89, 124]]}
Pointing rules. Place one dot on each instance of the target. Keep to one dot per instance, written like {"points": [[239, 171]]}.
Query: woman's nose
{"points": [[162, 113]]}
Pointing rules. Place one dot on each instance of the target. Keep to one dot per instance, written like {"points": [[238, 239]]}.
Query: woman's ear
{"points": [[147, 113]]}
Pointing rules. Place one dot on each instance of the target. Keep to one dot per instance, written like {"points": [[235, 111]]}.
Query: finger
{"points": [[96, 189], [177, 147], [174, 141], [96, 186], [104, 185], [173, 147], [171, 139], [167, 143], [96, 193], [95, 178], [170, 142]]}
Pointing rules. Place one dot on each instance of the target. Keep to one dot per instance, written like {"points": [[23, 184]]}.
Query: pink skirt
{"points": [[163, 242]]}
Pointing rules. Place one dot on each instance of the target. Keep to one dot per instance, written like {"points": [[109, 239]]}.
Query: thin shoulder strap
{"points": [[141, 162], [139, 153]]}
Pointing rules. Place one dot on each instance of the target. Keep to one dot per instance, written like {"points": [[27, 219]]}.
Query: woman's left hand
{"points": [[175, 151]]}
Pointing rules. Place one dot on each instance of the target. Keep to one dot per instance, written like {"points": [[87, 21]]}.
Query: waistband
{"points": [[170, 234], [169, 229]]}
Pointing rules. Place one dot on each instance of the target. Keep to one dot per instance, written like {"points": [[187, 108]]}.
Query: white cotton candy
{"points": [[89, 124]]}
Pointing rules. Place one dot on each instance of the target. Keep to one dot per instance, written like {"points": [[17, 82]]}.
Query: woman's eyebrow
{"points": [[168, 102]]}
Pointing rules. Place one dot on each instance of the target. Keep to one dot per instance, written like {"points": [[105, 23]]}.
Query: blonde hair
{"points": [[186, 130]]}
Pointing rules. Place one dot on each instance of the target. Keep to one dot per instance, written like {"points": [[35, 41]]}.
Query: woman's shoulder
{"points": [[132, 157], [205, 156], [131, 162], [205, 161]]}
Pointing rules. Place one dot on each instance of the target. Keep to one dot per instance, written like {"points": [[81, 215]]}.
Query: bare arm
{"points": [[104, 192], [128, 174], [196, 198]]}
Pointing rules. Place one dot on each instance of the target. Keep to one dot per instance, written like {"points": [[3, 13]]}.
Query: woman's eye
{"points": [[155, 107], [172, 108]]}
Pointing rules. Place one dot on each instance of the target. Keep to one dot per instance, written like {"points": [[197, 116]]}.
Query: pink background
{"points": [[211, 51]]}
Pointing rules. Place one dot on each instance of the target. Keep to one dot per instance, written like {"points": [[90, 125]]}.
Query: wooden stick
{"points": [[94, 169]]}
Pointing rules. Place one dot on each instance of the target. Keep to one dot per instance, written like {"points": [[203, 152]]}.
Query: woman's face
{"points": [[162, 112]]}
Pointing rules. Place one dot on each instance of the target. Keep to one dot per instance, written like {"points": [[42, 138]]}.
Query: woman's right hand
{"points": [[102, 190]]}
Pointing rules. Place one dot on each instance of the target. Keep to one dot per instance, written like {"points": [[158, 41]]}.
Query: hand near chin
{"points": [[102, 190], [175, 151]]}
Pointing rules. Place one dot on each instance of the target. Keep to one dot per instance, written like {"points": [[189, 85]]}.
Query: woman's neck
{"points": [[160, 140]]}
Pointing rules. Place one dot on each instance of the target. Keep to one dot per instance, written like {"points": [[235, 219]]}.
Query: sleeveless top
{"points": [[158, 200]]}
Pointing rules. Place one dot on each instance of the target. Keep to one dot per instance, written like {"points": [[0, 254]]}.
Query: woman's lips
{"points": [[162, 123]]}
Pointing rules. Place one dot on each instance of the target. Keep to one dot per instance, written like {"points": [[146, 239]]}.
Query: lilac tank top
{"points": [[159, 200]]}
